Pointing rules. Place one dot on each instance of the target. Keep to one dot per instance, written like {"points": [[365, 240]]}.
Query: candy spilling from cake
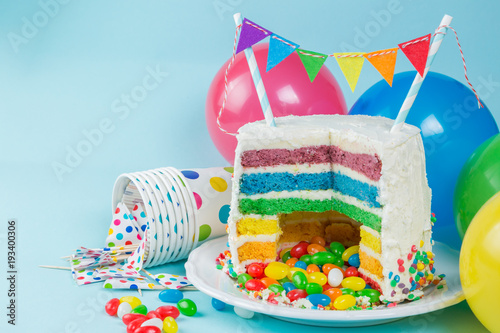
{"points": [[335, 179]]}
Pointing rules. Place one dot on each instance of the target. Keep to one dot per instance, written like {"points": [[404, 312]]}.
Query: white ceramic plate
{"points": [[202, 273]]}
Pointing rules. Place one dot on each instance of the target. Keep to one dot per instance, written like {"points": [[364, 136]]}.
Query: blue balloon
{"points": [[452, 127]]}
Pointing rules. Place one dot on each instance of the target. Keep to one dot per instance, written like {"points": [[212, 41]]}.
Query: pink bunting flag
{"points": [[416, 50], [251, 33]]}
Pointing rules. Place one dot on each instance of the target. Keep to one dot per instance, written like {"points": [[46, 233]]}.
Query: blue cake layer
{"points": [[256, 183]]}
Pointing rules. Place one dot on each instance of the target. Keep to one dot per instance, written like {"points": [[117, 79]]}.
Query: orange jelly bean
{"points": [[315, 248], [318, 240], [312, 268], [328, 267], [267, 281], [333, 293], [291, 262]]}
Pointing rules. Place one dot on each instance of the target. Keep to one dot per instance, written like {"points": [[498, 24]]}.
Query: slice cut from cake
{"points": [[345, 178]]}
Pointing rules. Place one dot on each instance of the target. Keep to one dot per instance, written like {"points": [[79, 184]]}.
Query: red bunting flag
{"points": [[416, 50]]}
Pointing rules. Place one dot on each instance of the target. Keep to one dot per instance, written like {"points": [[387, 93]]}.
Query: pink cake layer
{"points": [[368, 165]]}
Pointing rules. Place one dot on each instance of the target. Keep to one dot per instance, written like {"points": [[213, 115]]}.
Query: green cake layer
{"points": [[290, 205]]}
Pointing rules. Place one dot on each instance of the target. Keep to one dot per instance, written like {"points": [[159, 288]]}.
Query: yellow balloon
{"points": [[480, 264]]}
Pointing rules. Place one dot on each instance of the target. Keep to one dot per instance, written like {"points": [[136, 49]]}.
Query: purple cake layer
{"points": [[368, 165]]}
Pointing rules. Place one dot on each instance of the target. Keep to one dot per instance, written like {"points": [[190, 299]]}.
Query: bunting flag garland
{"points": [[384, 62], [251, 33], [350, 64], [279, 49], [312, 62], [416, 51]]}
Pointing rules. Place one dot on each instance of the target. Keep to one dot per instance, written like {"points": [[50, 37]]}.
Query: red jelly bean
{"points": [[255, 270], [153, 314], [168, 311], [148, 329], [130, 317], [326, 286], [255, 285], [351, 271], [299, 250], [135, 324], [112, 306], [295, 294]]}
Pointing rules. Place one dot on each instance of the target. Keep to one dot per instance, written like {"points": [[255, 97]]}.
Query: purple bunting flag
{"points": [[251, 33]]}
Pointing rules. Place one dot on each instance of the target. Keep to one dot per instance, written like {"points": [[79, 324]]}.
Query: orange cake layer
{"points": [[370, 264], [257, 250]]}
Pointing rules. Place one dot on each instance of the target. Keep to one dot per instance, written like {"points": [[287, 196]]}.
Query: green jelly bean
{"points": [[373, 294], [187, 307], [283, 280], [307, 258], [314, 288], [142, 309], [321, 258], [277, 289], [338, 261], [299, 280], [286, 256], [337, 248], [348, 291], [243, 278]]}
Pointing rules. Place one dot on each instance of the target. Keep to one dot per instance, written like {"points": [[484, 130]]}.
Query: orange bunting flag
{"points": [[416, 50], [384, 62], [350, 64]]}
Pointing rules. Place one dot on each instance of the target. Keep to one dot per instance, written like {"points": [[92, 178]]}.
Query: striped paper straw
{"points": [[417, 82], [257, 80]]}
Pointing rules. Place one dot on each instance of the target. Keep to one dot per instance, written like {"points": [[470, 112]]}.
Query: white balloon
{"points": [[123, 309]]}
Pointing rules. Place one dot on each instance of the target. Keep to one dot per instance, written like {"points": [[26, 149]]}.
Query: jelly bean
{"points": [[130, 317], [148, 329], [168, 311], [338, 261], [348, 291], [255, 285], [299, 250], [142, 309], [351, 271], [353, 282], [277, 270], [291, 262], [153, 322], [276, 289], [111, 306], [153, 314], [307, 258], [344, 302], [296, 294], [315, 248], [299, 280], [287, 256], [322, 258], [301, 264], [337, 248], [268, 281], [255, 270], [293, 270], [218, 305], [326, 286], [328, 267], [282, 252], [123, 309], [333, 293], [283, 280], [373, 294], [335, 277], [187, 307], [288, 286], [349, 252], [318, 278], [170, 325], [132, 300], [243, 313], [312, 268], [318, 240], [135, 324], [354, 260], [170, 295], [313, 288], [243, 278], [319, 299]]}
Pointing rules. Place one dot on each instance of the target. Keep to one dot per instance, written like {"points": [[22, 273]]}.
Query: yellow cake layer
{"points": [[254, 226], [370, 240], [257, 250], [370, 264]]}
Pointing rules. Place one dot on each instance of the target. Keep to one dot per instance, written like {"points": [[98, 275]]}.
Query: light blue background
{"points": [[64, 79]]}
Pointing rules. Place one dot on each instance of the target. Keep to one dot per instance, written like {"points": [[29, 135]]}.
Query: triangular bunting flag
{"points": [[384, 62], [251, 33], [312, 62], [416, 51], [279, 49], [350, 64]]}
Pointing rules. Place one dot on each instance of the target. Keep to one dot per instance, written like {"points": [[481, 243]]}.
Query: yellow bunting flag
{"points": [[384, 62], [350, 63]]}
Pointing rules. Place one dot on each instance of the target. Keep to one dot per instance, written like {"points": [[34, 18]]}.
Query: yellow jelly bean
{"points": [[318, 278], [282, 253], [132, 300], [349, 252], [169, 325], [420, 266], [293, 270], [430, 277], [353, 282], [277, 270], [344, 302]]}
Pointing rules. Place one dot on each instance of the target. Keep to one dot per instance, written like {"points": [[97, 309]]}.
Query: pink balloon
{"points": [[288, 87]]}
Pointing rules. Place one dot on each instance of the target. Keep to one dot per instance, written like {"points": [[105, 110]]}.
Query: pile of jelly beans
{"points": [[326, 276], [136, 317]]}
